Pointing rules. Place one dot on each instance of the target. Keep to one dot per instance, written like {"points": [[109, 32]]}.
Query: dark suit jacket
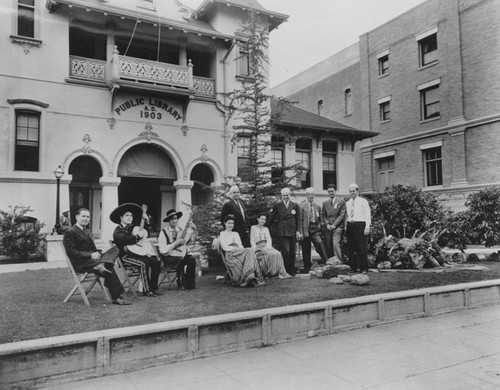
{"points": [[334, 214], [288, 220], [306, 217], [79, 247], [240, 224], [122, 236]]}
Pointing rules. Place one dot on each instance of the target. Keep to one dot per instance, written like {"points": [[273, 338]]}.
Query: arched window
{"points": [[348, 101]]}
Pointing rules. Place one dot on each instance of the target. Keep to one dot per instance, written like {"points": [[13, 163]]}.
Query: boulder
{"points": [[335, 281], [329, 273], [334, 261], [384, 265], [473, 258], [494, 257], [459, 257], [342, 269], [360, 280], [345, 278]]}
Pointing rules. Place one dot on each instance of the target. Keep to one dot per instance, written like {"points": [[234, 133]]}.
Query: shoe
{"points": [[120, 301], [149, 294], [157, 292], [102, 269]]}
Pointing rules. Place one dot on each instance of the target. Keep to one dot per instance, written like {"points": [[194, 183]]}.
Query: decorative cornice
{"points": [[149, 133], [26, 43], [28, 101]]}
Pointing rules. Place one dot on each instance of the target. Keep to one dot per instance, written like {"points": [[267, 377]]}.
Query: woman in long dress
{"points": [[241, 263], [270, 260]]}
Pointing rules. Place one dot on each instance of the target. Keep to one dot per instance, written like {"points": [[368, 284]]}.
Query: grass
{"points": [[31, 302]]}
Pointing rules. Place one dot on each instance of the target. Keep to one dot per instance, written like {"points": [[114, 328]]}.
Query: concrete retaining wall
{"points": [[54, 360]]}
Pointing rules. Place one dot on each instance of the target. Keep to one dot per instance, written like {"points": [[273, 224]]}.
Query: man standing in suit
{"points": [[333, 217], [311, 231], [286, 215], [85, 257], [236, 207]]}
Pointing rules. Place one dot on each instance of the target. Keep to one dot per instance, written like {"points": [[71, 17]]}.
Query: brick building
{"points": [[428, 83]]}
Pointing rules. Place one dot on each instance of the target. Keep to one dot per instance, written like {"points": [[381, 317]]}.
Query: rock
{"points": [[473, 258], [494, 257], [459, 257], [345, 278], [481, 256], [384, 265], [330, 273], [335, 281], [334, 261], [360, 280], [342, 269]]}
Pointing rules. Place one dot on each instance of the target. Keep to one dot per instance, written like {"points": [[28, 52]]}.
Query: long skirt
{"points": [[243, 268], [271, 263]]}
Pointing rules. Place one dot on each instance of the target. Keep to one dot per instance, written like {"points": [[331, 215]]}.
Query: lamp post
{"points": [[58, 174]]}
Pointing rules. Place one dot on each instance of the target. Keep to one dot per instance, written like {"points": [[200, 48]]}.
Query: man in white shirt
{"points": [[357, 229]]}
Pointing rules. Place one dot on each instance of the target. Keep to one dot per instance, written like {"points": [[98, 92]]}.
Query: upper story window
{"points": [[427, 47], [348, 102], [429, 100], [26, 18], [27, 148], [384, 105], [244, 169], [303, 148], [320, 107], [330, 149], [385, 167], [243, 59], [383, 63]]}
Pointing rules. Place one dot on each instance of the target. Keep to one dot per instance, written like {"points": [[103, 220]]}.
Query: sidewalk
{"points": [[459, 350]]}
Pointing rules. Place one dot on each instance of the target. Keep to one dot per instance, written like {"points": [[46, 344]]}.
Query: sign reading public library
{"points": [[148, 108]]}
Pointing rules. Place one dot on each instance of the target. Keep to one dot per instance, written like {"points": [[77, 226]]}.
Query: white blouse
{"points": [[258, 234], [230, 241]]}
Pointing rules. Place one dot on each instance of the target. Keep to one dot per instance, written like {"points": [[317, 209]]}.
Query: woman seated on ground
{"points": [[241, 263], [270, 260]]}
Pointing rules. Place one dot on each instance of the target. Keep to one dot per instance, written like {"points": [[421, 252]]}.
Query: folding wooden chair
{"points": [[129, 276], [167, 269], [80, 279]]}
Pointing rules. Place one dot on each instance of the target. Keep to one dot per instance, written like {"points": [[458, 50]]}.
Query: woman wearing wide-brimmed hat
{"points": [[126, 237]]}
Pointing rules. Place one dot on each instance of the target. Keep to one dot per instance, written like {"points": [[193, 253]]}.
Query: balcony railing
{"points": [[140, 70]]}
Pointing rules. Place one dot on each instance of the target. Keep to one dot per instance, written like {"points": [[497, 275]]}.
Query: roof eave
{"points": [[361, 134]]}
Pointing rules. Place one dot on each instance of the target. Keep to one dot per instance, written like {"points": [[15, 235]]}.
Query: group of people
{"points": [[250, 258], [134, 249]]}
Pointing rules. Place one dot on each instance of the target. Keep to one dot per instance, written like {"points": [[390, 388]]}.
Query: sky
{"points": [[317, 29]]}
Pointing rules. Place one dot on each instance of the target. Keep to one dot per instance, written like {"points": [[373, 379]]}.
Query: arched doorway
{"points": [[147, 175], [202, 176], [85, 191]]}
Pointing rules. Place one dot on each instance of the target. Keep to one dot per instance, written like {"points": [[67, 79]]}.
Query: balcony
{"points": [[141, 73]]}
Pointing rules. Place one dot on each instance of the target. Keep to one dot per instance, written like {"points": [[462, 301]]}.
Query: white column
{"points": [[109, 203], [183, 196]]}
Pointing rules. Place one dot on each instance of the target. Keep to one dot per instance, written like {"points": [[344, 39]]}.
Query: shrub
{"points": [[18, 239], [484, 210], [455, 231]]}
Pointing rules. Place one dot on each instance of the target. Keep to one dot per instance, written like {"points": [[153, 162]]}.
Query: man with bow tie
{"points": [[311, 231], [85, 257], [333, 217], [237, 208], [285, 214]]}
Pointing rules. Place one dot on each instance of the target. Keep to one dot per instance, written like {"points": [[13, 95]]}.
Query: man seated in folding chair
{"points": [[85, 257], [173, 248]]}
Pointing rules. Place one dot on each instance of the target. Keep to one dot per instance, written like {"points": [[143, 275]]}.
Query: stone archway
{"points": [[202, 177], [85, 190], [147, 175]]}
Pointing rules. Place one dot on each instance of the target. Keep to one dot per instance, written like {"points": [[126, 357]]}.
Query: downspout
{"points": [[224, 89]]}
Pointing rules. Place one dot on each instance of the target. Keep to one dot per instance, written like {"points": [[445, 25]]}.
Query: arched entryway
{"points": [[85, 191], [202, 177], [147, 175]]}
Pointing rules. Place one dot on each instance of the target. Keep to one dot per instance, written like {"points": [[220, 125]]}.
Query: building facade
{"points": [[427, 83], [123, 96]]}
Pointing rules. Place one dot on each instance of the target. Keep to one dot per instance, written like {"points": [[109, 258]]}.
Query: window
{"points": [[433, 167], [429, 101], [330, 149], [385, 172], [303, 159], [244, 144], [27, 140], [385, 111], [428, 50], [244, 68], [320, 107], [277, 158], [348, 102], [383, 63], [26, 18]]}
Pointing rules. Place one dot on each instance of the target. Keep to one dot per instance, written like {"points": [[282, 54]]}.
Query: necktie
{"points": [[174, 235], [352, 209], [311, 212], [242, 210]]}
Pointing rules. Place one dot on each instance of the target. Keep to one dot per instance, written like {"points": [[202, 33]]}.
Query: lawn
{"points": [[31, 302]]}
